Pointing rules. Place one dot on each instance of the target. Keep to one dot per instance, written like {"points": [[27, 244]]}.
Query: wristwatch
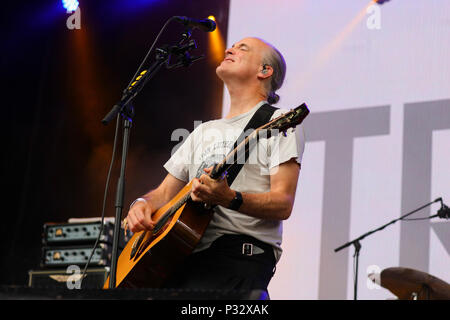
{"points": [[236, 203]]}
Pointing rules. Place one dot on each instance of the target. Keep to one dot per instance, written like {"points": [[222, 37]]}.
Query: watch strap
{"points": [[236, 203]]}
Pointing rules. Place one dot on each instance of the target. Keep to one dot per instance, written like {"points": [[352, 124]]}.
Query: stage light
{"points": [[70, 5], [216, 43]]}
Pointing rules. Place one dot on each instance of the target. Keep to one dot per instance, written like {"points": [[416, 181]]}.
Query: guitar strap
{"points": [[260, 117]]}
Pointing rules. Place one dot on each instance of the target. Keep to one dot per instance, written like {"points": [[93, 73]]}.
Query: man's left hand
{"points": [[210, 191]]}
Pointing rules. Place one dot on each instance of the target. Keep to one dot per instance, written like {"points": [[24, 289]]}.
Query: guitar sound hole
{"points": [[146, 243]]}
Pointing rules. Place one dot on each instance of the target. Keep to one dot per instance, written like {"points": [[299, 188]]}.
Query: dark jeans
{"points": [[223, 266]]}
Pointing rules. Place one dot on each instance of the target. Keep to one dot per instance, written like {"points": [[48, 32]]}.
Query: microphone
{"points": [[206, 25], [444, 211]]}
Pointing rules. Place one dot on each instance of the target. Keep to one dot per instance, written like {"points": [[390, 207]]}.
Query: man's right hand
{"points": [[140, 217], [140, 214]]}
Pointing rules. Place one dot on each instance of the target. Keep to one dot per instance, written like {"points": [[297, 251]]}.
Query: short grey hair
{"points": [[275, 59]]}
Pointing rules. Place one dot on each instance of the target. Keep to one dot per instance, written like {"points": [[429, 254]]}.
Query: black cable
{"points": [[426, 218], [104, 199]]}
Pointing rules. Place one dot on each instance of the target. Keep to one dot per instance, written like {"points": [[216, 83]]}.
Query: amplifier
{"points": [[58, 278], [76, 255], [69, 233]]}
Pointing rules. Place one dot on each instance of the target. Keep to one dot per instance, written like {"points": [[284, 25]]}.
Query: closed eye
{"points": [[242, 46]]}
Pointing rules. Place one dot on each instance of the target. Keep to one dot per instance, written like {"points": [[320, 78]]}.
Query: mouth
{"points": [[228, 59]]}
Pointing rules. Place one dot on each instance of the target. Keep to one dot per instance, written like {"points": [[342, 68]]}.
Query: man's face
{"points": [[243, 60]]}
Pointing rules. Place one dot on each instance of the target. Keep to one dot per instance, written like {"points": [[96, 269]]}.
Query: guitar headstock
{"points": [[289, 120]]}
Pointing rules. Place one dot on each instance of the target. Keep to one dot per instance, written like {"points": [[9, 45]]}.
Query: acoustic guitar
{"points": [[150, 257]]}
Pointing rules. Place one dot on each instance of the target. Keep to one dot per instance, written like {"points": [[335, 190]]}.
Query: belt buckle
{"points": [[247, 249]]}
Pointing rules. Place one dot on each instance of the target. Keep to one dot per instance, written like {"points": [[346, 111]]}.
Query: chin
{"points": [[220, 71]]}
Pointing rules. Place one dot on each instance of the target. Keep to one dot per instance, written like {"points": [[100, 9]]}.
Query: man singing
{"points": [[242, 244]]}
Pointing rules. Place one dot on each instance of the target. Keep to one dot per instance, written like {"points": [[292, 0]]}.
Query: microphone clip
{"points": [[186, 35], [181, 51], [443, 212]]}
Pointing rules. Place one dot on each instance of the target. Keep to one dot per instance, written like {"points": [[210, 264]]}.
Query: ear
{"points": [[265, 72]]}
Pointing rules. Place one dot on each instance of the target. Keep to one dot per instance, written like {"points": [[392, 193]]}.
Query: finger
{"points": [[129, 220], [125, 227], [195, 198], [135, 226], [224, 178], [195, 191], [143, 219], [208, 170], [201, 190], [148, 213], [206, 179], [195, 185]]}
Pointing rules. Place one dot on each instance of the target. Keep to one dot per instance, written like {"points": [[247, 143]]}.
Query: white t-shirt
{"points": [[209, 143]]}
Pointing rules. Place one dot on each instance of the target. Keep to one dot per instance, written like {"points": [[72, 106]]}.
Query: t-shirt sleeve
{"points": [[283, 148], [179, 162]]}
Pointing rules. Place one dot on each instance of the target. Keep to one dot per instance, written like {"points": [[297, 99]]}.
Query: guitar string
{"points": [[242, 154], [172, 210]]}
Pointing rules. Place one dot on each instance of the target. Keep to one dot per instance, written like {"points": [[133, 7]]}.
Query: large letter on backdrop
{"points": [[420, 121], [338, 129]]}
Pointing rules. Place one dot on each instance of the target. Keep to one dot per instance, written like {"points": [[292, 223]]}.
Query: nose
{"points": [[229, 51]]}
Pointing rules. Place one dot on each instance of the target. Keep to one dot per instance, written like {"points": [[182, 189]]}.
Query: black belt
{"points": [[243, 244]]}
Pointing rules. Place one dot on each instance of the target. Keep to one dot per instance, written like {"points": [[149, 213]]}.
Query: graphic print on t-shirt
{"points": [[213, 154]]}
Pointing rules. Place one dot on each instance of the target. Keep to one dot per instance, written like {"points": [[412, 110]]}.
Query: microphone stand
{"points": [[357, 244], [125, 109]]}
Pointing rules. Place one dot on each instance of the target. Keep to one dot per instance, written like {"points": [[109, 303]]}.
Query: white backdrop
{"points": [[377, 81]]}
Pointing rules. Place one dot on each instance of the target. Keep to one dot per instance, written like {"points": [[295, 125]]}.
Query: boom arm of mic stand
{"points": [[357, 244], [129, 94], [163, 57], [384, 226]]}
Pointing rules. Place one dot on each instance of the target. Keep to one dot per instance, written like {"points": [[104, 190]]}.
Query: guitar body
{"points": [[157, 255]]}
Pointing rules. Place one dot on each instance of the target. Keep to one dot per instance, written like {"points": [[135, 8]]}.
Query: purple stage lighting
{"points": [[70, 5]]}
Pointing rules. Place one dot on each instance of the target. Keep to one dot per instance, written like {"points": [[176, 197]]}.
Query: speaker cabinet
{"points": [[61, 279]]}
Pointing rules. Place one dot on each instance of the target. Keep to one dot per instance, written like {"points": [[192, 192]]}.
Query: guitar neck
{"points": [[234, 156], [240, 153]]}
